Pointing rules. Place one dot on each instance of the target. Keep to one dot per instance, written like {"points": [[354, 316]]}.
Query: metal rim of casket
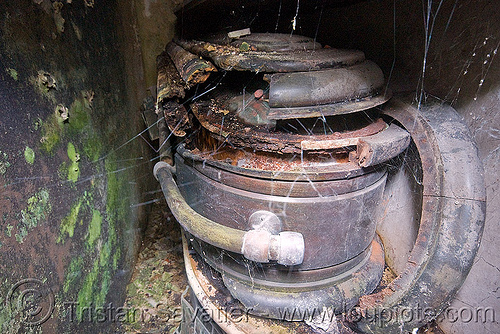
{"points": [[452, 221], [330, 172], [304, 79], [451, 224], [277, 42], [339, 295], [229, 128]]}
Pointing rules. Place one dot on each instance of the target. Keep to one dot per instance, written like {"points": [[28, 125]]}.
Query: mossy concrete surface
{"points": [[73, 173]]}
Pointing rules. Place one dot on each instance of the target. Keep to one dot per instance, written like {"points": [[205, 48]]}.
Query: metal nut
{"points": [[265, 220]]}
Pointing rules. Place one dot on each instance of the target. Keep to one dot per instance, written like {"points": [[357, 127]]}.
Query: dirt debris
{"points": [[154, 292]]}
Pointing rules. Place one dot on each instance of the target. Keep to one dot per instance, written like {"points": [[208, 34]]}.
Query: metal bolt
{"points": [[265, 220]]}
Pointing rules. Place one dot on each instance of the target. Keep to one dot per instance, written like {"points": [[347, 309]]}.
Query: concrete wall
{"points": [[73, 172]]}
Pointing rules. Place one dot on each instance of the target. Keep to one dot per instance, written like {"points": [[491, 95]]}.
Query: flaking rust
{"points": [[250, 58], [178, 70], [170, 84], [264, 139], [176, 117], [171, 88], [192, 69]]}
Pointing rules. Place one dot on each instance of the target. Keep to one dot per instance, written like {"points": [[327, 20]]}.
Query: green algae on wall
{"points": [[73, 273], [74, 168], [37, 210], [4, 162], [94, 230], [51, 133], [67, 123], [69, 222], [53, 100], [29, 155], [101, 239], [13, 73]]}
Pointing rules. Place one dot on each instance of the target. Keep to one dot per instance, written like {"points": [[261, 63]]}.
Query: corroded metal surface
{"points": [[228, 127], [235, 318], [192, 69], [339, 108], [277, 42], [170, 88], [310, 216], [231, 58], [177, 117], [382, 147], [302, 89], [169, 83], [451, 223]]}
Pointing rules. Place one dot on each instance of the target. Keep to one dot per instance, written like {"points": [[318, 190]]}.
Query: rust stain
{"points": [[227, 127]]}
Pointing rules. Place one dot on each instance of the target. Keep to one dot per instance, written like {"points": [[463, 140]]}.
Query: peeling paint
{"points": [[62, 113], [45, 85], [45, 82]]}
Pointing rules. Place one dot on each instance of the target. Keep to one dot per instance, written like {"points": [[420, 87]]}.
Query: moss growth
{"points": [[74, 168], [69, 222], [94, 230], [51, 133], [13, 73], [9, 230], [244, 46], [101, 237], [117, 206], [37, 124], [94, 290], [4, 162], [29, 155], [73, 273], [64, 123], [105, 285], [9, 319], [92, 147], [88, 290], [105, 254], [79, 115], [73, 172], [37, 209], [116, 258], [72, 154]]}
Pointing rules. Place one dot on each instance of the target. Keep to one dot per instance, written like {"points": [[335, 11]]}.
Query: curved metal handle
{"points": [[256, 245]]}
